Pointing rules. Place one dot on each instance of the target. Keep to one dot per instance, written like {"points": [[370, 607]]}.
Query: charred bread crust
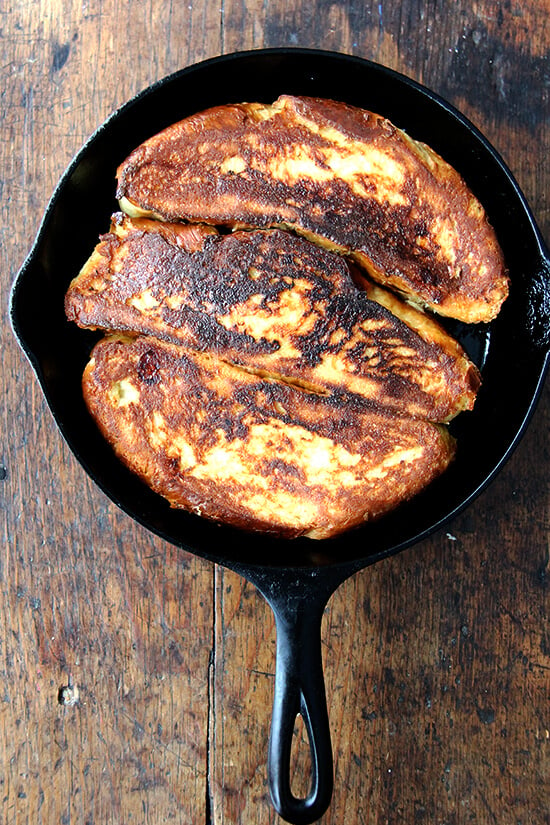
{"points": [[273, 302], [252, 452], [343, 176]]}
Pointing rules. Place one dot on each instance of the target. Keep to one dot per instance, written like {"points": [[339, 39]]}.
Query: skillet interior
{"points": [[79, 211]]}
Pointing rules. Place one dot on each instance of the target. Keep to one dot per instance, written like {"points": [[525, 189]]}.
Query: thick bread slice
{"points": [[251, 452], [273, 303], [342, 176]]}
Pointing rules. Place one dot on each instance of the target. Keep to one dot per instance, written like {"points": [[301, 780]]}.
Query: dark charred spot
{"points": [[276, 466], [148, 367], [233, 426]]}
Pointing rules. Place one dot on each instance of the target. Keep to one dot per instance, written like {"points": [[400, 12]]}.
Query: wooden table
{"points": [[136, 680]]}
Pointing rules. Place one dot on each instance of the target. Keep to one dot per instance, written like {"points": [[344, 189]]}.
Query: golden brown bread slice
{"points": [[251, 452], [342, 176], [274, 303]]}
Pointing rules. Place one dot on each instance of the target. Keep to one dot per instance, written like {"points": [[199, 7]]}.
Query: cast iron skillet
{"points": [[296, 577]]}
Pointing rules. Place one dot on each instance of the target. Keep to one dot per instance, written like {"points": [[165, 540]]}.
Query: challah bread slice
{"points": [[251, 452], [340, 175], [273, 302]]}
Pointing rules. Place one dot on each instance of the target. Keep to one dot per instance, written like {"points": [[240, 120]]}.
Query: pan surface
{"points": [[512, 353]]}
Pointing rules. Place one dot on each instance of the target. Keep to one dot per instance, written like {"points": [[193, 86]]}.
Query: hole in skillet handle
{"points": [[298, 598]]}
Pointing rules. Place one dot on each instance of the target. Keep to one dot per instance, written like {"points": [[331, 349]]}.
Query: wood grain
{"points": [[135, 680]]}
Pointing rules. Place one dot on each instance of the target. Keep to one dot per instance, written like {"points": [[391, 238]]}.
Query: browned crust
{"points": [[345, 177], [272, 302], [250, 452]]}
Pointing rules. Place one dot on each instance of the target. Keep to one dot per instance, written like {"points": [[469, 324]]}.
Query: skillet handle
{"points": [[299, 689], [298, 597]]}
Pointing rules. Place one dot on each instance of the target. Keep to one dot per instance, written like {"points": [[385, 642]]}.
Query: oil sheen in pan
{"points": [[474, 338]]}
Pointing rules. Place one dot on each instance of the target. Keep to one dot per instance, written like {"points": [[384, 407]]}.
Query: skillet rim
{"points": [[310, 560]]}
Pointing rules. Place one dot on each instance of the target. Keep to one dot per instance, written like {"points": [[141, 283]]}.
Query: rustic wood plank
{"points": [[106, 630], [135, 680]]}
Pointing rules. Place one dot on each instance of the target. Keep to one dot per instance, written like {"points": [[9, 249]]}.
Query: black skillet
{"points": [[296, 577]]}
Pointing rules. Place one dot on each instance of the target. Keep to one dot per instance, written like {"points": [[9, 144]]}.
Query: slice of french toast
{"points": [[342, 176], [253, 452], [276, 304]]}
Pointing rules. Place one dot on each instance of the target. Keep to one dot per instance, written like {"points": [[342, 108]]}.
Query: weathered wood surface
{"points": [[135, 680]]}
